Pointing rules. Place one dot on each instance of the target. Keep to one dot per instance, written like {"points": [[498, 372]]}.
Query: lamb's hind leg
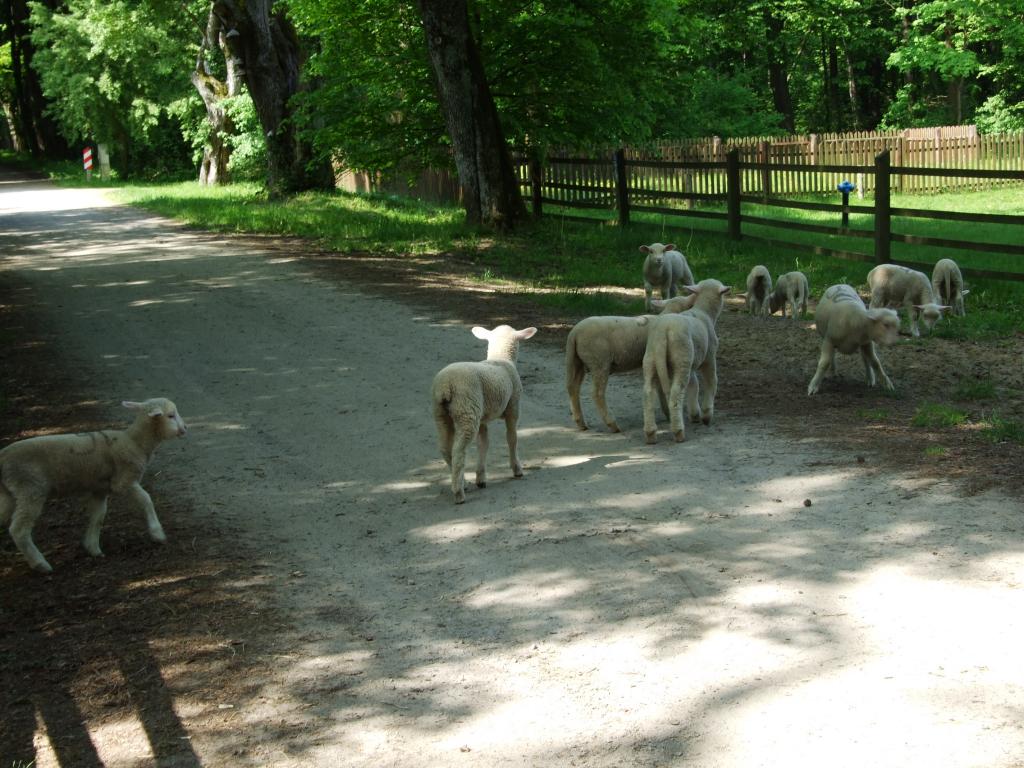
{"points": [[511, 417], [464, 435], [481, 457], [445, 434], [6, 507], [600, 387], [96, 509], [27, 508], [708, 388]]}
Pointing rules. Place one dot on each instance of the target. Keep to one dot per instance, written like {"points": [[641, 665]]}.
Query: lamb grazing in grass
{"points": [[91, 464], [468, 395], [791, 289], [681, 348], [759, 291], [948, 285], [892, 286], [846, 326], [664, 267], [605, 345]]}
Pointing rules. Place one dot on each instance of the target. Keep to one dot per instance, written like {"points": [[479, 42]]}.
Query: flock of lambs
{"points": [[676, 348]]}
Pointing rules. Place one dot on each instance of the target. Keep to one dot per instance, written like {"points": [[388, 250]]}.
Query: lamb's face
{"points": [[656, 253], [166, 420], [885, 326], [930, 314]]}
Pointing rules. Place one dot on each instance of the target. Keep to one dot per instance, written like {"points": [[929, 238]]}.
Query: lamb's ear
{"points": [[670, 247], [526, 333], [131, 405], [690, 288], [644, 249], [658, 303], [946, 309], [964, 293], [481, 333], [724, 290]]}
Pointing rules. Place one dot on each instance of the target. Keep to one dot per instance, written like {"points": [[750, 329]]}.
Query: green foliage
{"points": [[111, 69], [936, 415], [996, 115]]}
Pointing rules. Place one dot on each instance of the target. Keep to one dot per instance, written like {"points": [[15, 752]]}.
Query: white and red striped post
{"points": [[87, 162]]}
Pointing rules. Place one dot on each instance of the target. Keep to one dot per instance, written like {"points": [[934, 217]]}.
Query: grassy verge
{"points": [[565, 263]]}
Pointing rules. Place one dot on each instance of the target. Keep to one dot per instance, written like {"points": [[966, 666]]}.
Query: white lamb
{"points": [[681, 347], [759, 291], [468, 395], [664, 267], [91, 464], [846, 326], [892, 286], [605, 345], [948, 285], [792, 290]]}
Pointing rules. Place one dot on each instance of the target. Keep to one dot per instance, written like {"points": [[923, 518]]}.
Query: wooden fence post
{"points": [[883, 211], [536, 183], [621, 187], [733, 192], [764, 156]]}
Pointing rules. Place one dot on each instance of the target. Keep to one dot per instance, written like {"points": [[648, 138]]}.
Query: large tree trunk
{"points": [[213, 92], [778, 71], [490, 190], [265, 44], [34, 130]]}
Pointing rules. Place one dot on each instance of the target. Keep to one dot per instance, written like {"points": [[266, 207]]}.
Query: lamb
{"points": [[893, 285], [846, 326], [468, 395], [605, 345], [681, 347], [664, 267], [790, 289], [759, 291], [91, 464], [948, 285]]}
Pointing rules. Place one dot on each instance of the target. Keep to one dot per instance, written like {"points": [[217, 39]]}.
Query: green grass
{"points": [[566, 264], [873, 414], [1000, 430], [936, 415], [936, 451], [979, 389]]}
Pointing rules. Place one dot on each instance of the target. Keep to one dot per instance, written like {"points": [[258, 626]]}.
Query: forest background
{"points": [[288, 92]]}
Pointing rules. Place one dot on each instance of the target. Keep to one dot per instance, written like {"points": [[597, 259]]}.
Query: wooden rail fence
{"points": [[623, 184]]}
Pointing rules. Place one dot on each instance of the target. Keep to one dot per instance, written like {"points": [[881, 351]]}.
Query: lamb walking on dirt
{"points": [[91, 464], [681, 348], [467, 395], [607, 344], [793, 290], [846, 326], [759, 291], [893, 286], [664, 267]]}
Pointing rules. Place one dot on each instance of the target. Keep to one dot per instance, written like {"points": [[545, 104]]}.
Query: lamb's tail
{"points": [[574, 370], [661, 362]]}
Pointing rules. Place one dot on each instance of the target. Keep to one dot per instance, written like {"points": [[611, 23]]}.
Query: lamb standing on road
{"points": [[664, 267], [948, 285], [759, 291], [679, 348], [468, 395], [605, 345], [892, 285], [846, 326], [89, 464], [791, 289]]}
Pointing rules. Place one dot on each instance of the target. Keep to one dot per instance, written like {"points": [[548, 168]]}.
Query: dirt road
{"points": [[621, 605]]}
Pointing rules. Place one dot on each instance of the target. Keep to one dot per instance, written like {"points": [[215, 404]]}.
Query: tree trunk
{"points": [[36, 132], [851, 90], [267, 49], [778, 75], [213, 92], [490, 190], [835, 111]]}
